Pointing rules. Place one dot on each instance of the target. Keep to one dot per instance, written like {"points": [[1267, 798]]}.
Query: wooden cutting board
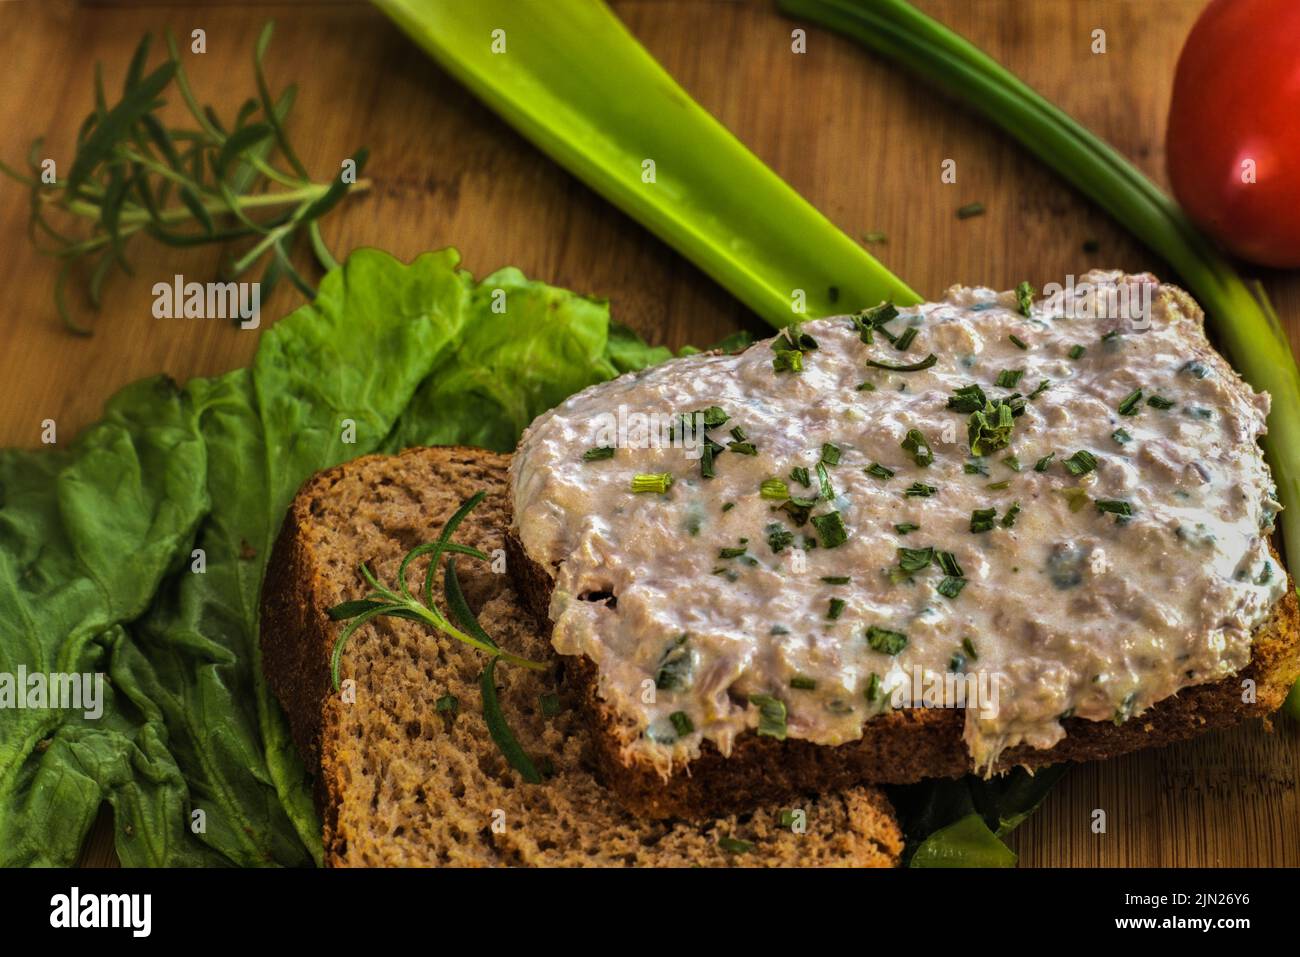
{"points": [[861, 140]]}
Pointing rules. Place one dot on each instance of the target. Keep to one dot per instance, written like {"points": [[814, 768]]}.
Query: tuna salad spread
{"points": [[1056, 507]]}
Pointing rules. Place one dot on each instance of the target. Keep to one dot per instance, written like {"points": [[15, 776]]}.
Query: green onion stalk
{"points": [[570, 77], [1241, 315]]}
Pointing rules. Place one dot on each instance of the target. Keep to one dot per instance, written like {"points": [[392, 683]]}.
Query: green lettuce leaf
{"points": [[139, 551], [87, 534]]}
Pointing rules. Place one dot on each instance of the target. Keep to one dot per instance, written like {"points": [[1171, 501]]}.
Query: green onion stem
{"points": [[570, 77]]}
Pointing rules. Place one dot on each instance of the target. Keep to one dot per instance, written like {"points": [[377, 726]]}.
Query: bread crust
{"points": [[903, 746]]}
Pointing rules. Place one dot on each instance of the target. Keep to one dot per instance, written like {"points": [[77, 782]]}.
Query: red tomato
{"points": [[1237, 103]]}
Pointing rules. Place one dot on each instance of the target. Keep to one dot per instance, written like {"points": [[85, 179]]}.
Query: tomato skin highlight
{"points": [[1237, 99]]}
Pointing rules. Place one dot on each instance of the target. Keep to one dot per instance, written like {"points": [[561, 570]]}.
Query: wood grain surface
{"points": [[859, 139]]}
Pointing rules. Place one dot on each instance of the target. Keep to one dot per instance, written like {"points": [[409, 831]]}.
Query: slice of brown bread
{"points": [[901, 747], [400, 783]]}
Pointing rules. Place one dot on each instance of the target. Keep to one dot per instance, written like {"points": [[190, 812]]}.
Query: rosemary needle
{"points": [[182, 186]]}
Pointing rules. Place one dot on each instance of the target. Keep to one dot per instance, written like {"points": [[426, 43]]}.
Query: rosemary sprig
{"points": [[402, 603], [210, 184]]}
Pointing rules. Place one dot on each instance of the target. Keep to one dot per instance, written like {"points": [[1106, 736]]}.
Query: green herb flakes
{"points": [[658, 482], [830, 527], [1080, 463], [1131, 403], [771, 715], [1025, 299], [916, 443], [885, 641]]}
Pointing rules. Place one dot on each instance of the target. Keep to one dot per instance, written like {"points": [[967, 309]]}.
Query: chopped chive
{"points": [[714, 416], [915, 443], [866, 387], [836, 609], [914, 559], [826, 491], [799, 509], [919, 490], [771, 715], [981, 520], [707, 454], [1160, 402], [742, 448], [906, 528], [682, 723], [878, 315], [1041, 388], [885, 641], [652, 482], [950, 587], [1080, 463], [836, 579], [1077, 351], [925, 363], [1116, 507], [738, 433], [1076, 497], [774, 488], [803, 683], [1017, 341], [948, 562], [1045, 462], [1113, 334], [967, 399], [999, 486], [975, 467], [831, 529], [1024, 298], [793, 338], [732, 552], [728, 506], [787, 360], [1129, 405], [990, 428], [598, 453], [800, 475], [905, 339], [1121, 437], [830, 454], [1012, 462], [734, 845], [778, 537], [1008, 378], [876, 470], [872, 691], [1009, 519], [968, 646]]}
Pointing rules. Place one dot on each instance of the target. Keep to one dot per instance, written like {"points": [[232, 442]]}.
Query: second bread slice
{"points": [[400, 782]]}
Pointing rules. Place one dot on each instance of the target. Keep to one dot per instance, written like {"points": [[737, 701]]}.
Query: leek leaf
{"points": [[569, 76]]}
